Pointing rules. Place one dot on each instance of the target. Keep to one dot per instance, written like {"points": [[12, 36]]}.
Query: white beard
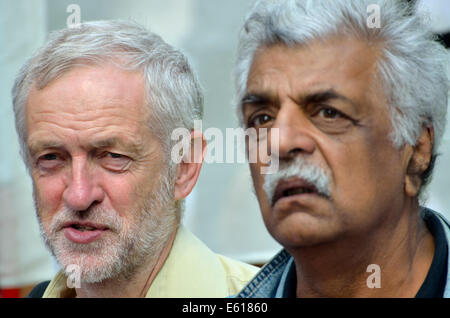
{"points": [[120, 251]]}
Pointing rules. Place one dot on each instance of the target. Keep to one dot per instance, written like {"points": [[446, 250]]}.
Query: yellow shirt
{"points": [[190, 270]]}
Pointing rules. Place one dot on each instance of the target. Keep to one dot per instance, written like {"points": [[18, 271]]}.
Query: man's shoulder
{"points": [[238, 273], [269, 279], [38, 290], [192, 269]]}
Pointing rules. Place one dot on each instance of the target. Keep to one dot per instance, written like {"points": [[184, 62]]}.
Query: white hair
{"points": [[298, 168], [172, 89], [412, 67]]}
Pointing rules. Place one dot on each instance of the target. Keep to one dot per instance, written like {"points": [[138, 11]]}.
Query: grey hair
{"points": [[172, 89], [412, 67]]}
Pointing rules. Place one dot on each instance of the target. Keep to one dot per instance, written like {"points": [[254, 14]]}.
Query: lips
{"points": [[290, 188], [83, 232]]}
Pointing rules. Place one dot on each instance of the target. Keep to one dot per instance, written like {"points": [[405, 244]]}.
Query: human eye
{"points": [[260, 121], [115, 161], [49, 161], [331, 120], [329, 113]]}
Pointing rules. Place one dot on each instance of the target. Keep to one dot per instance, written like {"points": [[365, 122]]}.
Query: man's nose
{"points": [[294, 130], [82, 189]]}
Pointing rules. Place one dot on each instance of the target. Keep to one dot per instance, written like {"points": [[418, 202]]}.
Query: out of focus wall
{"points": [[23, 258]]}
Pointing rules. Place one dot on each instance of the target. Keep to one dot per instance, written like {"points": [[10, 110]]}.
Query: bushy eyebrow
{"points": [[251, 98], [259, 99], [324, 96]]}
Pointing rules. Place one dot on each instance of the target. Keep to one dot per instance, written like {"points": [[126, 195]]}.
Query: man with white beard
{"points": [[94, 111], [359, 103]]}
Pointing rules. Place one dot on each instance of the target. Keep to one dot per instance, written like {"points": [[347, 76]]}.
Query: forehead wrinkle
{"points": [[88, 114], [56, 121]]}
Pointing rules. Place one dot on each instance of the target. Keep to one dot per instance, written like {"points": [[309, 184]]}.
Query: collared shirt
{"points": [[277, 279], [434, 284], [190, 270]]}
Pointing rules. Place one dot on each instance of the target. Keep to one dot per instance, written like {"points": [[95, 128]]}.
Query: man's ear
{"points": [[188, 170], [419, 161]]}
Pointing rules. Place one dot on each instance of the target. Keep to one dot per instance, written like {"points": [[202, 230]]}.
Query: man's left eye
{"points": [[115, 161], [329, 113], [115, 155]]}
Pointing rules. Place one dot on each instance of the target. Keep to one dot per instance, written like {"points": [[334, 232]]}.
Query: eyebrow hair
{"points": [[251, 98], [113, 141], [310, 98], [323, 96], [37, 146]]}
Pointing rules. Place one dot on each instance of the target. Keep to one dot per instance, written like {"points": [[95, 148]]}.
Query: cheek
{"points": [[129, 191], [48, 196], [48, 192], [121, 192], [258, 182], [365, 175]]}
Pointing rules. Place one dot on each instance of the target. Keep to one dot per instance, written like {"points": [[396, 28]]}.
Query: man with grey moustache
{"points": [[359, 112], [95, 108]]}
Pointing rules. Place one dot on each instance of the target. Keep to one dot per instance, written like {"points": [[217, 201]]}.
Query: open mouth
{"points": [[83, 228], [83, 233], [286, 189]]}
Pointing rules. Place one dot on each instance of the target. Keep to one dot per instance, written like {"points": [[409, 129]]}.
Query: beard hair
{"points": [[120, 252]]}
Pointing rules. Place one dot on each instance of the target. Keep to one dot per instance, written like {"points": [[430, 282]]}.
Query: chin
{"points": [[297, 231], [89, 268], [89, 263]]}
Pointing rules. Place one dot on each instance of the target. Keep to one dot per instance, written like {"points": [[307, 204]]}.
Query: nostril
{"points": [[80, 196]]}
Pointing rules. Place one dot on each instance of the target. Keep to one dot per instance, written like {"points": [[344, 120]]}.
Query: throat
{"points": [[368, 266]]}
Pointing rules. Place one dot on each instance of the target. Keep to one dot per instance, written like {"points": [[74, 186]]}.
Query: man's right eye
{"points": [[49, 161], [50, 156]]}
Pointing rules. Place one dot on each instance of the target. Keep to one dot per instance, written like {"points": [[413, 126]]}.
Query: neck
{"points": [[402, 247], [132, 287]]}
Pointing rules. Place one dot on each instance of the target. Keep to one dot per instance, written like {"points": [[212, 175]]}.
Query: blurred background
{"points": [[222, 210]]}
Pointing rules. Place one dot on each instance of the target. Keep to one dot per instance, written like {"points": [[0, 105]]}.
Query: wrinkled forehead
{"points": [[89, 99], [90, 89], [345, 65]]}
